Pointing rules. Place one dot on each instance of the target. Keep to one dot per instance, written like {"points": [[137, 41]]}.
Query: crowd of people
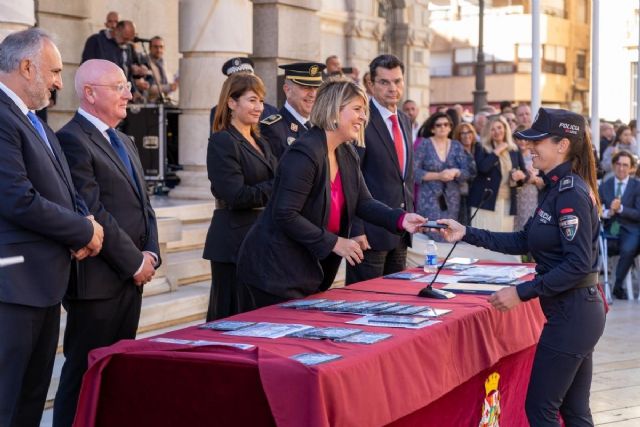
{"points": [[343, 170]]}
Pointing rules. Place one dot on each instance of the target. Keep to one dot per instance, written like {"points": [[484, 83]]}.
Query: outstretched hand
{"points": [[454, 231], [412, 222]]}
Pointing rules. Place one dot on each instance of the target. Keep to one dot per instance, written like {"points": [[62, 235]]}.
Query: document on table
{"points": [[499, 271], [473, 288], [442, 278], [370, 321], [268, 330], [201, 343]]}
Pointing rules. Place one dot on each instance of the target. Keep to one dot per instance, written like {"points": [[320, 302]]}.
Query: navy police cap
{"points": [[304, 73], [237, 64], [553, 122]]}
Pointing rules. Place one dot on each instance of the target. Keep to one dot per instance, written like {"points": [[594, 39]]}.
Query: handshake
{"points": [[95, 244]]}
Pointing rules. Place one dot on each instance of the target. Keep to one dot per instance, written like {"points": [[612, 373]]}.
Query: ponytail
{"points": [[583, 162]]}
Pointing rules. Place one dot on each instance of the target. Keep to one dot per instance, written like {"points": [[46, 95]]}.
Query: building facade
{"points": [[565, 39]]}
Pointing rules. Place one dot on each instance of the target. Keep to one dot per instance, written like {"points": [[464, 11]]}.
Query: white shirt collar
{"points": [[15, 98], [295, 114], [99, 124], [624, 181], [384, 111]]}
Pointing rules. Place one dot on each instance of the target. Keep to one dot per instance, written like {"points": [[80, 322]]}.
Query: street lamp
{"points": [[480, 94]]}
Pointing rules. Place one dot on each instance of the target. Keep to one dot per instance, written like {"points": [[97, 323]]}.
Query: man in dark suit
{"points": [[240, 65], [620, 196], [104, 299], [41, 218], [301, 82], [387, 165]]}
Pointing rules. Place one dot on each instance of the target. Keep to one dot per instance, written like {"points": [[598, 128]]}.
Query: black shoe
{"points": [[619, 293]]}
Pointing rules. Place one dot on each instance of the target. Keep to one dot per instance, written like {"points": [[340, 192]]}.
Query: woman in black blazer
{"points": [[501, 169], [296, 246], [241, 170]]}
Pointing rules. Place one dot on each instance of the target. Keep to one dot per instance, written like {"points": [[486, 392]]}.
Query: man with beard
{"points": [[41, 218], [103, 301], [301, 82]]}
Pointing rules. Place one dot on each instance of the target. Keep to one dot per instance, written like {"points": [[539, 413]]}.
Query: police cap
{"points": [[553, 122], [304, 73], [237, 64]]}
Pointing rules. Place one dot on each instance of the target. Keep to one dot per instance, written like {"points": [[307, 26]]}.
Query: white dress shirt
{"points": [[296, 115]]}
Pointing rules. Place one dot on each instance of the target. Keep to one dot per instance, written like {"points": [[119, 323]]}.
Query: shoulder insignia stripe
{"points": [[271, 119], [566, 183]]}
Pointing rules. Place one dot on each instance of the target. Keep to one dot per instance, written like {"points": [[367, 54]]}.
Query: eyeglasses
{"points": [[466, 132], [119, 88], [441, 125], [387, 83], [622, 165]]}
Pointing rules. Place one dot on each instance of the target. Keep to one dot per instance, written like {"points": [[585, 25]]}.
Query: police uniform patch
{"points": [[569, 226], [290, 140], [566, 183], [293, 127], [271, 119]]}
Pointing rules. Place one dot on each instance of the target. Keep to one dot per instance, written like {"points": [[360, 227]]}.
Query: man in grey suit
{"points": [[620, 197], [41, 218], [104, 299]]}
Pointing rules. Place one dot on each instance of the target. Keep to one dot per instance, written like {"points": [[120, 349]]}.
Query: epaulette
{"points": [[566, 183], [274, 118]]}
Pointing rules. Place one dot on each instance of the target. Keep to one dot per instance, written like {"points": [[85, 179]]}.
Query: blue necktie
{"points": [[118, 146], [40, 129]]}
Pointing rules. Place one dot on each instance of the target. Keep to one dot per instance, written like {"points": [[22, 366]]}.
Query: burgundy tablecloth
{"points": [[431, 373]]}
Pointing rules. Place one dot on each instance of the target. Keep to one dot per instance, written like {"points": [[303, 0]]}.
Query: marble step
{"points": [[184, 210], [187, 266], [193, 236]]}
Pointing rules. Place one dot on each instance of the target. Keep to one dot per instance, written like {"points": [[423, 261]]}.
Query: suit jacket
{"points": [[282, 252], [117, 204], [629, 218], [282, 132], [38, 212], [241, 181], [379, 163], [489, 176]]}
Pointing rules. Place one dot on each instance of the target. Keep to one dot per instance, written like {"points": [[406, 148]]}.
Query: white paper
{"points": [[442, 278], [366, 320], [268, 330]]}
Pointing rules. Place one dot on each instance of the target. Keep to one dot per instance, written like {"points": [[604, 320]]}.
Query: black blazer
{"points": [[629, 218], [282, 252], [241, 179], [379, 163], [38, 218], [116, 203], [489, 176]]}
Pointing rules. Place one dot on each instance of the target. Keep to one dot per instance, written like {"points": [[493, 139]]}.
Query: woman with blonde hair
{"points": [[241, 169], [295, 248], [501, 170]]}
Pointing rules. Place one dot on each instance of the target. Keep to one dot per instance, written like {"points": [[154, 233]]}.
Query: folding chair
{"points": [[603, 240]]}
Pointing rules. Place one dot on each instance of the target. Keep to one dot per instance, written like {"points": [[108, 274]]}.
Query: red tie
{"points": [[397, 140]]}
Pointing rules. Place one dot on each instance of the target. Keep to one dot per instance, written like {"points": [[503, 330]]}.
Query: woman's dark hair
{"points": [[454, 116], [426, 130]]}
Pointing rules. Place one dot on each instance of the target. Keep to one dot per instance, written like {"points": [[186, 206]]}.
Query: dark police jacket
{"points": [[379, 163], [489, 177], [629, 218], [562, 236], [241, 181], [282, 252], [280, 130]]}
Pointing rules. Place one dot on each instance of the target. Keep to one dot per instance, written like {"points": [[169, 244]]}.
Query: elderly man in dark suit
{"points": [[41, 218], [620, 197], [387, 165], [103, 301]]}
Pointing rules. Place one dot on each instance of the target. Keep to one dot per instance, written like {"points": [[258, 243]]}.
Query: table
{"points": [[431, 376]]}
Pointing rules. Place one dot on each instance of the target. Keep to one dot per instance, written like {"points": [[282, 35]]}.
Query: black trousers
{"points": [[378, 263], [223, 296], [28, 341], [562, 367], [92, 324]]}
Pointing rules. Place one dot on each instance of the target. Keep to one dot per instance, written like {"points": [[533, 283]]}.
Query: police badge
{"points": [[293, 127], [569, 226], [290, 140]]}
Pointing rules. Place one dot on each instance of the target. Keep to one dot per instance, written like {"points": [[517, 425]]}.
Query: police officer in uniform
{"points": [[301, 82], [562, 237], [240, 65]]}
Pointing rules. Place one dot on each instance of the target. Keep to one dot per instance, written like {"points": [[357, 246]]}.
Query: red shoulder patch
{"points": [[566, 210]]}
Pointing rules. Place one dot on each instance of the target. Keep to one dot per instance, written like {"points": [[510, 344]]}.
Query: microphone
{"points": [[137, 39], [430, 291]]}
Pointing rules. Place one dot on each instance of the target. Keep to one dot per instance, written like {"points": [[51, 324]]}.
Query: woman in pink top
{"points": [[296, 246]]}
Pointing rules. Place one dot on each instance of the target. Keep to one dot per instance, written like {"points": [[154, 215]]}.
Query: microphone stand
{"points": [[429, 291]]}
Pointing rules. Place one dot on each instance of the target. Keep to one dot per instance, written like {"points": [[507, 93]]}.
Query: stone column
{"points": [[68, 24], [16, 16], [209, 34], [285, 31]]}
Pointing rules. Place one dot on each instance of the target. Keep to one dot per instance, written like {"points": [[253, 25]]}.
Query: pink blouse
{"points": [[337, 205]]}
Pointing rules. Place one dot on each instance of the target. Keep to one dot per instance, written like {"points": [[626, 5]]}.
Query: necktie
{"points": [[397, 140], [40, 129], [619, 190], [118, 146], [614, 228], [307, 125]]}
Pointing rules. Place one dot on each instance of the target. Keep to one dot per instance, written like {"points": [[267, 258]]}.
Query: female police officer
{"points": [[562, 237]]}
